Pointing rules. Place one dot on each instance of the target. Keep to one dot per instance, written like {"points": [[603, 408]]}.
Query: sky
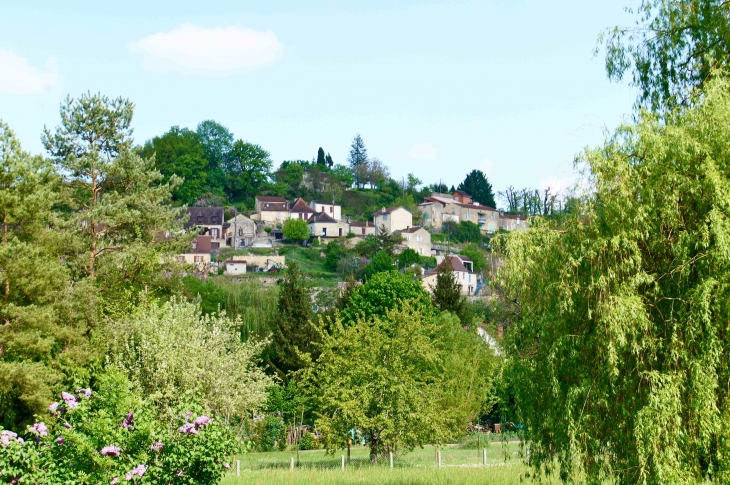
{"points": [[435, 88]]}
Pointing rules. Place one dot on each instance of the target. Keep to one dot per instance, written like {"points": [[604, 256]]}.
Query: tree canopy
{"points": [[478, 187], [673, 49], [619, 351]]}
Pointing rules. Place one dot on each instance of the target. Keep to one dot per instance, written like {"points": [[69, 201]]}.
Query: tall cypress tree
{"points": [[320, 157], [293, 331], [357, 159], [446, 294]]}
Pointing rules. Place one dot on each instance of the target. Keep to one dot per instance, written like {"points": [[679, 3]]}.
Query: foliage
{"points": [[296, 229], [180, 153], [217, 142], [463, 231], [478, 187], [446, 295], [381, 262], [619, 349], [382, 292], [38, 347], [334, 252], [368, 246], [294, 333], [170, 353], [248, 301], [673, 50], [248, 169], [408, 257], [477, 256], [118, 205], [109, 434], [269, 433], [358, 159], [385, 377]]}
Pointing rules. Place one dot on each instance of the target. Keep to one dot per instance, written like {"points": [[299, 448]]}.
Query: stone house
{"points": [[463, 268], [437, 210], [299, 209], [393, 218], [198, 254], [210, 220], [362, 228], [510, 222], [330, 208], [241, 231], [271, 210], [416, 238], [323, 226], [234, 268]]}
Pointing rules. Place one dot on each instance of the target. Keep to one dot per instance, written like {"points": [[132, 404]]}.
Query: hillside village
{"points": [[262, 228]]}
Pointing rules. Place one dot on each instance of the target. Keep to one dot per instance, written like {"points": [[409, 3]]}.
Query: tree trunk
{"points": [[373, 448]]}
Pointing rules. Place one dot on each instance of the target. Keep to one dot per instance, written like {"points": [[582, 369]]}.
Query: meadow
{"points": [[505, 466]]}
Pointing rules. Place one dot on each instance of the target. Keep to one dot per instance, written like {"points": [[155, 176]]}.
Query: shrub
{"points": [[267, 230], [315, 242], [269, 433], [350, 235], [308, 442], [111, 435]]}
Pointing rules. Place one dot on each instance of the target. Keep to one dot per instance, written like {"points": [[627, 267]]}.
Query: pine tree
{"points": [[358, 159], [330, 162], [447, 292], [293, 330], [119, 206], [478, 187], [37, 343], [320, 157]]}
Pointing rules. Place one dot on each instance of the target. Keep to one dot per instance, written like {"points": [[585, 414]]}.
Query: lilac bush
{"points": [[111, 436]]}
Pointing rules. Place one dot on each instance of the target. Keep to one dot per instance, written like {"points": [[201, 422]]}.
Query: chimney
{"points": [[383, 209]]}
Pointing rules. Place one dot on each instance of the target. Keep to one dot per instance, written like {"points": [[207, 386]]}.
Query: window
{"points": [[214, 232], [198, 259], [340, 231], [331, 209], [419, 238], [408, 237], [425, 216], [181, 258], [324, 231], [213, 219], [200, 219], [385, 217], [363, 230], [469, 277], [468, 215], [267, 206], [240, 232], [420, 250], [278, 215], [195, 244]]}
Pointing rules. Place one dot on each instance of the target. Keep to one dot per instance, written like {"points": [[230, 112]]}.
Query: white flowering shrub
{"points": [[172, 353]]}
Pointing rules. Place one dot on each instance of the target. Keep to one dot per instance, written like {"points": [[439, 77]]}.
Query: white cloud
{"points": [[423, 151], [190, 47], [17, 76]]}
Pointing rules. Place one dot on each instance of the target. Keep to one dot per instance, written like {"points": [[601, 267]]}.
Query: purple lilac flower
{"points": [[138, 470], [226, 466], [59, 440], [6, 436], [111, 450], [39, 429], [188, 428], [157, 446], [188, 415], [179, 473], [66, 425], [20, 440], [114, 481], [84, 392], [201, 421], [52, 407], [128, 421]]}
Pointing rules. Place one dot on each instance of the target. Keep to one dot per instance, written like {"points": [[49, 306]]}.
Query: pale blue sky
{"points": [[435, 88]]}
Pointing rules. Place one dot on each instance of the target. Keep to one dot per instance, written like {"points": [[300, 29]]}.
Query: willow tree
{"points": [[620, 353]]}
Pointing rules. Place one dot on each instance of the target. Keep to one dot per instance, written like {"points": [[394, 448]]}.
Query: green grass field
{"points": [[505, 465]]}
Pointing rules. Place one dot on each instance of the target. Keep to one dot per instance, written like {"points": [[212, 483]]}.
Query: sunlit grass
{"points": [[505, 465]]}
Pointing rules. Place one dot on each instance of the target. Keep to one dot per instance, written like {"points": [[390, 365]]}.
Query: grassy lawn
{"points": [[505, 465]]}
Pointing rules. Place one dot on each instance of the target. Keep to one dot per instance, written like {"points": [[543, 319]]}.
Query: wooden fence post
{"points": [[438, 457], [484, 456], [238, 468], [291, 464], [342, 459], [391, 459]]}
